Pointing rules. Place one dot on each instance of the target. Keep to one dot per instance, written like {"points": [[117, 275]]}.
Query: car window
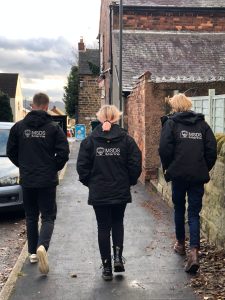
{"points": [[4, 134]]}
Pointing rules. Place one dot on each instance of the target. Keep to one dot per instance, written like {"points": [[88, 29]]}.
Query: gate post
{"points": [[211, 109]]}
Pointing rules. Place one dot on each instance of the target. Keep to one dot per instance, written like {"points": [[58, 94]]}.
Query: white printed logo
{"points": [[191, 135], [34, 134], [100, 151], [27, 133]]}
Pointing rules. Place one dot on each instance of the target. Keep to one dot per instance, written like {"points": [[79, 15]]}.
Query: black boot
{"points": [[118, 259], [107, 269]]}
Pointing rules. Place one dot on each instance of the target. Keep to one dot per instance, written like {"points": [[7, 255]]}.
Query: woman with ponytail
{"points": [[109, 163]]}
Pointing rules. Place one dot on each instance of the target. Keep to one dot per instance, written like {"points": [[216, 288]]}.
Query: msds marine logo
{"points": [[27, 133], [190, 135], [100, 151], [34, 133]]}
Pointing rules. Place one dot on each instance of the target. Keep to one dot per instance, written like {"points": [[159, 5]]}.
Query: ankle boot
{"points": [[192, 265], [179, 247], [118, 259], [107, 269]]}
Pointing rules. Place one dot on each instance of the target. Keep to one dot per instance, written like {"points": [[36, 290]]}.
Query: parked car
{"points": [[11, 197]]}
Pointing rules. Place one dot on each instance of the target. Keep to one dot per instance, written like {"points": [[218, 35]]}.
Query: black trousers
{"points": [[39, 201], [109, 218]]}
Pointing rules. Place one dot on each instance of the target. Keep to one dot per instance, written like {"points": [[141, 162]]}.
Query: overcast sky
{"points": [[38, 38]]}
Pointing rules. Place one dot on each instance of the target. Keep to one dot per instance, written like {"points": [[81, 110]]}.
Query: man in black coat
{"points": [[188, 152], [39, 148]]}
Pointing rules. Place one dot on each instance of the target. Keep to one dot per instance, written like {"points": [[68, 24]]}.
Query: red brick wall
{"points": [[172, 21], [89, 100], [137, 105]]}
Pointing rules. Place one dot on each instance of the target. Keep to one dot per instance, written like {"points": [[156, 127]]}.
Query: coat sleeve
{"points": [[12, 149], [167, 144], [210, 147], [61, 149], [84, 161], [134, 161]]}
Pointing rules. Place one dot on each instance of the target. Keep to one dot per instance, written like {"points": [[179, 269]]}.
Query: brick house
{"points": [[10, 85], [89, 100], [168, 46]]}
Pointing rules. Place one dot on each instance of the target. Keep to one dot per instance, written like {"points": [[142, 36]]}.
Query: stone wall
{"points": [[178, 21], [213, 211], [89, 100]]}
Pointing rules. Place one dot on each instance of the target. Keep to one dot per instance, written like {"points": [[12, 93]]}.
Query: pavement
{"points": [[153, 270]]}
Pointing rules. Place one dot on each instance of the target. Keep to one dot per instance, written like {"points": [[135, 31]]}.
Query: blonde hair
{"points": [[180, 103], [108, 113]]}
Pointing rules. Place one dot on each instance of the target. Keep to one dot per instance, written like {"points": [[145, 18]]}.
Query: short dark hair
{"points": [[40, 99]]}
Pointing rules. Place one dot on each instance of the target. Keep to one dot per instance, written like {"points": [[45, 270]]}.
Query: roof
{"points": [[8, 83], [57, 111], [90, 56], [172, 57], [175, 3]]}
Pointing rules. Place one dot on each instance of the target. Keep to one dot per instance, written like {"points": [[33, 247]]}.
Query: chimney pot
{"points": [[81, 45]]}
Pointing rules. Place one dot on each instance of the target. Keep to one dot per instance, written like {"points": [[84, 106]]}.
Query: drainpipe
{"points": [[110, 54], [121, 58]]}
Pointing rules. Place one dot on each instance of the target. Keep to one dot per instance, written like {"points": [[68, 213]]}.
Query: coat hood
{"points": [[116, 133], [186, 117], [37, 118]]}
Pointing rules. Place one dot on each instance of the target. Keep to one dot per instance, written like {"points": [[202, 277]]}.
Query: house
{"points": [[57, 111], [10, 85], [89, 100], [168, 46]]}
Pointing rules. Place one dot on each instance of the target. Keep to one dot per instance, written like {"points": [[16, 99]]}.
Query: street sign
{"points": [[80, 132]]}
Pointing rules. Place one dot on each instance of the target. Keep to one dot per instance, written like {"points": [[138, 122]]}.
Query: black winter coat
{"points": [[109, 163], [39, 148], [188, 148]]}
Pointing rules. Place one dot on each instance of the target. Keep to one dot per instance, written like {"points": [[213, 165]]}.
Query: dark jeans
{"points": [[195, 193], [39, 201], [109, 218]]}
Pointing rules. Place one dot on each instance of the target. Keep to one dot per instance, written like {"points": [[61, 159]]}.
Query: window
{"points": [[4, 134]]}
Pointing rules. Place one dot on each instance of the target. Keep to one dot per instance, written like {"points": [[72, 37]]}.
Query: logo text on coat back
{"points": [[190, 135], [34, 133], [100, 151]]}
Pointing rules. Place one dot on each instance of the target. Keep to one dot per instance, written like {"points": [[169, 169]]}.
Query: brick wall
{"points": [[135, 108], [143, 113], [89, 100], [172, 21]]}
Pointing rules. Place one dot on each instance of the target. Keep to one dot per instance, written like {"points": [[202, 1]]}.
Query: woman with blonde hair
{"points": [[188, 152], [109, 162]]}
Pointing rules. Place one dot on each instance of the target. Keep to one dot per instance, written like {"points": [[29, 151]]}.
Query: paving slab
{"points": [[153, 271]]}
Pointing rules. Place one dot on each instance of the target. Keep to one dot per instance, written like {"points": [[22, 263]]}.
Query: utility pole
{"points": [[121, 57]]}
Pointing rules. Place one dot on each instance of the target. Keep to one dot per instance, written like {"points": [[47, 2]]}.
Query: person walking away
{"points": [[188, 152], [109, 163], [39, 148]]}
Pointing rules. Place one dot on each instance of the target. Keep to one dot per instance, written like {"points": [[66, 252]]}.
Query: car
{"points": [[11, 196]]}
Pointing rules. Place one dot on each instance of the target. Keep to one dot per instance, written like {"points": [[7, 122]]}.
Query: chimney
{"points": [[81, 45]]}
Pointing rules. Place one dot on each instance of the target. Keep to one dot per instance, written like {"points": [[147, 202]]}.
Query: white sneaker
{"points": [[42, 260], [33, 258]]}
